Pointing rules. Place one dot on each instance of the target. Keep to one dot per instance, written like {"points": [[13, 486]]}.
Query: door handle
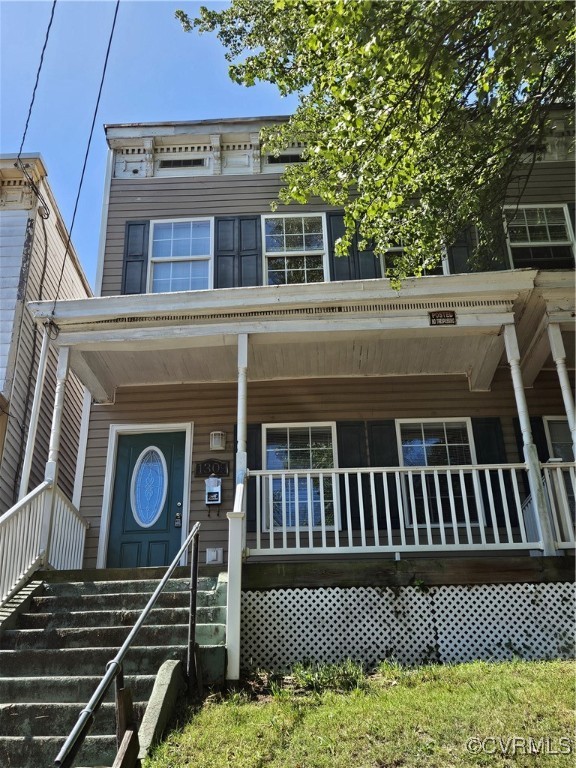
{"points": [[178, 520]]}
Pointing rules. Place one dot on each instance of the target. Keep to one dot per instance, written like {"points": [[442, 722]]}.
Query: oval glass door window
{"points": [[149, 486]]}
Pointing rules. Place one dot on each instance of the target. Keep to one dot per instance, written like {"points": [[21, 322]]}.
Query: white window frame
{"points": [[547, 420], [209, 259], [473, 461], [400, 249], [568, 221], [336, 499], [266, 256]]}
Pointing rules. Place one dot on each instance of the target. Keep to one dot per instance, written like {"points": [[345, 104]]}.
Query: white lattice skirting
{"points": [[447, 624]]}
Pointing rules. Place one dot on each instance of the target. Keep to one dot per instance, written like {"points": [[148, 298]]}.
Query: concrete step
{"points": [[67, 689], [212, 614], [66, 589], [125, 601], [140, 660], [109, 637], [55, 719], [41, 751]]}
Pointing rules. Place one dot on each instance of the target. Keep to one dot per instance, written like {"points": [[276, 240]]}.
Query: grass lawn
{"points": [[399, 717]]}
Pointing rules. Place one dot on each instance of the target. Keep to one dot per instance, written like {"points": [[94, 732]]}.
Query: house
{"points": [[380, 471], [33, 267]]}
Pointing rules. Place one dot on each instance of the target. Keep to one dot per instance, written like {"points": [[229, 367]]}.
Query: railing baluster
{"points": [[258, 480], [337, 510], [564, 503], [505, 507], [492, 507], [452, 507], [401, 517], [424, 482], [374, 511], [322, 510], [271, 510], [310, 514], [284, 531], [361, 508], [348, 511], [416, 532], [465, 505], [520, 516], [387, 509], [439, 508], [479, 505]]}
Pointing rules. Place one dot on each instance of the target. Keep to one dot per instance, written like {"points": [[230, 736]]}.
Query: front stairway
{"points": [[55, 651]]}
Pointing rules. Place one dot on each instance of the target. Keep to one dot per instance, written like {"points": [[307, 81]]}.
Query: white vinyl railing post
{"points": [[530, 452], [236, 519], [34, 416], [51, 472]]}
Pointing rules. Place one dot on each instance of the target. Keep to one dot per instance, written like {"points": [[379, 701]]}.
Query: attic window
{"points": [[190, 162], [284, 159]]}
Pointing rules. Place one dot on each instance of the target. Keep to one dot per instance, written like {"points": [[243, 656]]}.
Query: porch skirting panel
{"points": [[411, 625]]}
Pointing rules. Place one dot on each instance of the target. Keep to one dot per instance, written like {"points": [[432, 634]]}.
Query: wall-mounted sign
{"points": [[212, 467], [443, 317]]}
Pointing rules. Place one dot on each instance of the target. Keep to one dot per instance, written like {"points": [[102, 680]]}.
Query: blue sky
{"points": [[156, 72]]}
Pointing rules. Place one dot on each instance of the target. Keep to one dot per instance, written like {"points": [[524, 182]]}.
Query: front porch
{"points": [[453, 350]]}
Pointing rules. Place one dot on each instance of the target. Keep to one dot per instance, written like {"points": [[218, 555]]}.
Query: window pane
{"points": [[181, 240], [436, 455], [313, 225], [459, 454], [561, 440], [274, 243], [294, 242], [313, 242], [457, 433], [293, 225], [162, 249]]}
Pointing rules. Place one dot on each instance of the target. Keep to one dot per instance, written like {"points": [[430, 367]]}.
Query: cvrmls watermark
{"points": [[520, 745]]}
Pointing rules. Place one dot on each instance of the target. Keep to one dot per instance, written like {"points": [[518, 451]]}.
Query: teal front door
{"points": [[148, 500]]}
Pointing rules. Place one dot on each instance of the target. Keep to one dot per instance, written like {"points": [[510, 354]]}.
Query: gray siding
{"points": [[40, 280], [213, 407], [153, 198], [156, 198]]}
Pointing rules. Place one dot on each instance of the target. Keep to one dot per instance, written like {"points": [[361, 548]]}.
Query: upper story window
{"points": [[294, 249], [559, 438], [430, 443], [540, 236], [181, 255]]}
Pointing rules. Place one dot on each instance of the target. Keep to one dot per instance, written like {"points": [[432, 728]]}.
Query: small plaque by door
{"points": [[212, 467]]}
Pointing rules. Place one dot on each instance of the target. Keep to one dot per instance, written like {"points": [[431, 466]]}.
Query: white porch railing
{"points": [[43, 528], [400, 509], [560, 484]]}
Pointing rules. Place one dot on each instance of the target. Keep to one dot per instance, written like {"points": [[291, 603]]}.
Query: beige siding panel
{"points": [[213, 407], [43, 276], [157, 198]]}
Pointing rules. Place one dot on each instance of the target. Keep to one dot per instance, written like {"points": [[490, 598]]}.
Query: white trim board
{"points": [[135, 429]]}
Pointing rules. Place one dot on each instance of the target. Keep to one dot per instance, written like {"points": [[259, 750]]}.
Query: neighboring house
{"points": [[33, 240], [377, 426]]}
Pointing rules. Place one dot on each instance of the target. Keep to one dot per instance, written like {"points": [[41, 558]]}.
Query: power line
{"points": [[86, 154], [44, 210], [37, 77]]}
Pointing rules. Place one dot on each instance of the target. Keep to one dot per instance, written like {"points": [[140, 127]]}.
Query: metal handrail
{"points": [[114, 667]]}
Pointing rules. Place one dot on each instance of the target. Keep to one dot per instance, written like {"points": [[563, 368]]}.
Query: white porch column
{"points": [[51, 471], [236, 521], [559, 356], [530, 452], [34, 415]]}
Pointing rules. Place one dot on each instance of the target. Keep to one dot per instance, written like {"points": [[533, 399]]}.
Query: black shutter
{"points": [[341, 267], [356, 265], [238, 256], [254, 451], [135, 265], [383, 449], [490, 449], [460, 252], [538, 434], [351, 440]]}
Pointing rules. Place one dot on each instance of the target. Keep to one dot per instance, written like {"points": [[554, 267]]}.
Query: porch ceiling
{"points": [[363, 328]]}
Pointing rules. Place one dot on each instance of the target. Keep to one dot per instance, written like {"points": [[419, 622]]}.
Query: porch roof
{"points": [[358, 328]]}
